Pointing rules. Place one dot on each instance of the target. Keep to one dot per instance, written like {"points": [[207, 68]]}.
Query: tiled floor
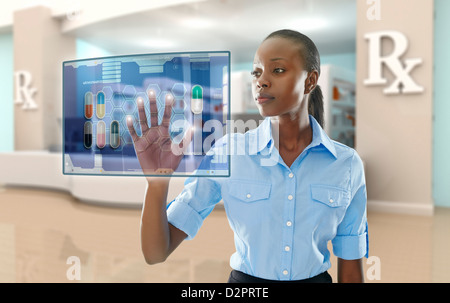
{"points": [[40, 230]]}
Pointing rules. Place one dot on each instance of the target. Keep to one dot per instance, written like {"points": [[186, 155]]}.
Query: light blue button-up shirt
{"points": [[282, 217]]}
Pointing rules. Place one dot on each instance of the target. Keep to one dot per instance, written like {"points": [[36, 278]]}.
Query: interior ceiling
{"points": [[235, 25]]}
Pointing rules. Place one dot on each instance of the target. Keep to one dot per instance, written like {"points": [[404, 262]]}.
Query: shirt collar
{"points": [[320, 137], [262, 137]]}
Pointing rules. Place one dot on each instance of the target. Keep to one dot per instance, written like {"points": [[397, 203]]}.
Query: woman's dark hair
{"points": [[311, 56]]}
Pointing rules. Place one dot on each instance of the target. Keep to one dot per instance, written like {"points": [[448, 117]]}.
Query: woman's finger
{"points": [[153, 108], [131, 129], [167, 111], [142, 115]]}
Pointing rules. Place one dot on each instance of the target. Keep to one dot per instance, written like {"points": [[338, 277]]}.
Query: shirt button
{"points": [[291, 175], [289, 223], [290, 197], [331, 200], [285, 272], [249, 196], [287, 248]]}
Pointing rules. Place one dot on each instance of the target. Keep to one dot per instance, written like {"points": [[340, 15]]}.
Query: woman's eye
{"points": [[278, 70], [255, 73]]}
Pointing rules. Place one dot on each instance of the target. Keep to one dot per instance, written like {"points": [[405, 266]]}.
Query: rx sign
{"points": [[24, 91], [400, 69]]}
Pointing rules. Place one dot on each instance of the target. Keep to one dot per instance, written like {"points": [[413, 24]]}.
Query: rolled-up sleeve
{"points": [[352, 237], [190, 208]]}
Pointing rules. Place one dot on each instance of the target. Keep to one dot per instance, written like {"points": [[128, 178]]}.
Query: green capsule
{"points": [[197, 99], [114, 136]]}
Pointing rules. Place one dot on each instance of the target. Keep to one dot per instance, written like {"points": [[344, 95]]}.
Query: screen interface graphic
{"points": [[101, 95]]}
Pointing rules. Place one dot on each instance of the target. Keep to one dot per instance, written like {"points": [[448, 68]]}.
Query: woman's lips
{"points": [[262, 98]]}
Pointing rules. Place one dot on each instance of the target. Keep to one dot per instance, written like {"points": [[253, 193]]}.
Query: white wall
{"points": [[77, 13], [394, 132]]}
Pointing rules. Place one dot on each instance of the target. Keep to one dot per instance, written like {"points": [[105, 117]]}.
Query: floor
{"points": [[41, 231]]}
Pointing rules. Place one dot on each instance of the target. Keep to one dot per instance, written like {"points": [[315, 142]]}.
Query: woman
{"points": [[288, 195]]}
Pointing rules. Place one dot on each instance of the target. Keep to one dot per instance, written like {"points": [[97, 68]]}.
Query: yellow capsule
{"points": [[100, 105]]}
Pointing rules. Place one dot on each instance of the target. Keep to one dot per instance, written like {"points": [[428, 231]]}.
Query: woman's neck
{"points": [[291, 137], [292, 131]]}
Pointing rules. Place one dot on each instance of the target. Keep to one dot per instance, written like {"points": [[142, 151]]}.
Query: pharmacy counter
{"points": [[44, 170]]}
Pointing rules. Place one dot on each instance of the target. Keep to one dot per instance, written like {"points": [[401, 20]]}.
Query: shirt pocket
{"points": [[330, 196], [250, 191]]}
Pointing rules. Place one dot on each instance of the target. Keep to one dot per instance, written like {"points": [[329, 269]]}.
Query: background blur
{"points": [[47, 217]]}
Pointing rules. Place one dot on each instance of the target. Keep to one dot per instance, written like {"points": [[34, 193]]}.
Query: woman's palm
{"points": [[155, 150]]}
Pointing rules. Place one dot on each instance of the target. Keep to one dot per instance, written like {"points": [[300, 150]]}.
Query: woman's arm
{"points": [[350, 271], [158, 238], [156, 151]]}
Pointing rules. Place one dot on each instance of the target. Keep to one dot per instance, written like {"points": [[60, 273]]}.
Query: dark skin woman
{"points": [[285, 75]]}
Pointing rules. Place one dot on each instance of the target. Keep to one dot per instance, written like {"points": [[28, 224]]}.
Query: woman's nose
{"points": [[262, 83]]}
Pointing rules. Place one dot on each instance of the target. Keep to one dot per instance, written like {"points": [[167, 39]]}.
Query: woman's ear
{"points": [[311, 81]]}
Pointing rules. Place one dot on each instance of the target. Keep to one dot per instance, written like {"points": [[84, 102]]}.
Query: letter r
{"points": [[392, 61], [24, 93]]}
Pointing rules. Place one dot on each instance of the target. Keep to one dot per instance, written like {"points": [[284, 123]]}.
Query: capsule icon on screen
{"points": [[101, 134], [87, 134], [114, 134], [197, 100], [88, 105], [100, 105]]}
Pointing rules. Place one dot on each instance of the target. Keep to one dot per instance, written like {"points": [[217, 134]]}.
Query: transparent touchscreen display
{"points": [[151, 114]]}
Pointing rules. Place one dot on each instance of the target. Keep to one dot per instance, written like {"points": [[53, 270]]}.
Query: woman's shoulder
{"points": [[344, 151]]}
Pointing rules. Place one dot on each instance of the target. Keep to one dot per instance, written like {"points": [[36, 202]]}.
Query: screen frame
{"points": [[186, 175]]}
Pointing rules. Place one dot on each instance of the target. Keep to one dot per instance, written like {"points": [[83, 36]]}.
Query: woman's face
{"points": [[278, 77]]}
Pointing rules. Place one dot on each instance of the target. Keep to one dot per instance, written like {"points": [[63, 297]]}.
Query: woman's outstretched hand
{"points": [[156, 152]]}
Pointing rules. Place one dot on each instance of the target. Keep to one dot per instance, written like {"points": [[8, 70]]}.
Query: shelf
{"points": [[338, 90], [346, 105]]}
